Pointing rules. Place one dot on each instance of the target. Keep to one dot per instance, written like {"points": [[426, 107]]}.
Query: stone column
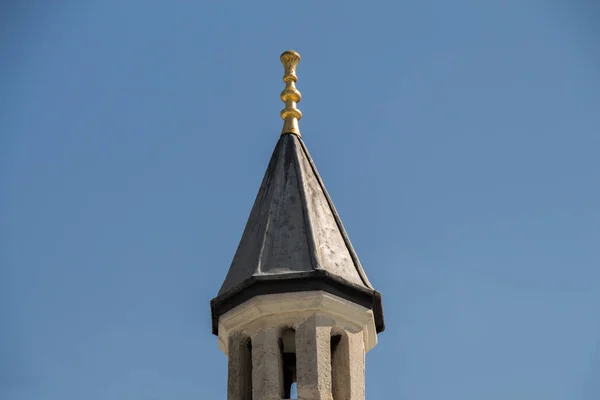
{"points": [[313, 359], [267, 369], [239, 381], [348, 367]]}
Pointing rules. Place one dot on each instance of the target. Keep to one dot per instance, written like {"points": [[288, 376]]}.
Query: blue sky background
{"points": [[458, 139]]}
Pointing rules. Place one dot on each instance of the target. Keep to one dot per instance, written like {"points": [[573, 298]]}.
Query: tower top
{"points": [[296, 305], [290, 95], [294, 240]]}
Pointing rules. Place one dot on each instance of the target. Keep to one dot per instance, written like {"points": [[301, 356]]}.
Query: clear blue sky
{"points": [[458, 139]]}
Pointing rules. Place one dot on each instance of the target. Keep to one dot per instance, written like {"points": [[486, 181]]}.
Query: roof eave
{"points": [[297, 282]]}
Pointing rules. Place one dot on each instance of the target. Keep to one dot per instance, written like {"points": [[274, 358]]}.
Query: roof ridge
{"points": [[310, 234]]}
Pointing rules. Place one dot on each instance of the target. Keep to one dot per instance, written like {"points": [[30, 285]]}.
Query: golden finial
{"points": [[290, 95]]}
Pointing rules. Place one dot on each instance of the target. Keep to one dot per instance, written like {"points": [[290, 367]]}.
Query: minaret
{"points": [[296, 305]]}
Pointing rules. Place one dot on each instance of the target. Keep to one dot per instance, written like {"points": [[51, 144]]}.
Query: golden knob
{"points": [[290, 95]]}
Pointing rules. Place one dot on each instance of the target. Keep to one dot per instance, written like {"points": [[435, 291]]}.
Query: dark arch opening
{"points": [[246, 370], [287, 344], [337, 378]]}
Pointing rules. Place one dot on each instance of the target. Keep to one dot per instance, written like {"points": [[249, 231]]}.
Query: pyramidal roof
{"points": [[294, 239], [293, 227]]}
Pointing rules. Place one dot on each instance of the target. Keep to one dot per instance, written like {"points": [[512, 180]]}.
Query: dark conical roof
{"points": [[294, 240]]}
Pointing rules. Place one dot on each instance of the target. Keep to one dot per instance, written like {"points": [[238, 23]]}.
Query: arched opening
{"points": [[287, 345], [337, 365], [246, 370], [294, 391]]}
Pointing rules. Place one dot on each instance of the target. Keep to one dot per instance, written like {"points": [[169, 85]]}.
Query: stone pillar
{"points": [[313, 359], [239, 381], [267, 369], [348, 367]]}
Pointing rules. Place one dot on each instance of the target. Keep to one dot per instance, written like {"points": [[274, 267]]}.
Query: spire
{"points": [[294, 240], [290, 95]]}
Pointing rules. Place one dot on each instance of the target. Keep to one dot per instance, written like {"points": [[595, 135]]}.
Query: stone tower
{"points": [[296, 305]]}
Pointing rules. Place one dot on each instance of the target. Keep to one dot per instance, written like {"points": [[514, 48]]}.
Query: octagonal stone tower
{"points": [[296, 305]]}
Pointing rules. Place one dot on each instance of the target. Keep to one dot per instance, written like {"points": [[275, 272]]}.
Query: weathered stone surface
{"points": [[348, 367], [267, 370], [308, 324], [239, 381], [313, 357], [291, 309]]}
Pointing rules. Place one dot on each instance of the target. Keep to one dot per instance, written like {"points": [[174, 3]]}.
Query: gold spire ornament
{"points": [[290, 95]]}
